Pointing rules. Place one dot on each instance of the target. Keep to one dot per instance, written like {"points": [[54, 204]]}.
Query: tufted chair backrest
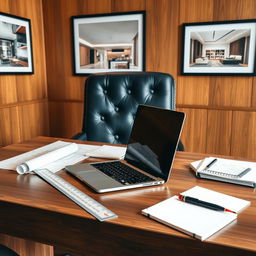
{"points": [[111, 101]]}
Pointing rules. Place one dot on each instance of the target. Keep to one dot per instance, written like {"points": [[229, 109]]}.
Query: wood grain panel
{"points": [[31, 87], [5, 6], [7, 83], [127, 6], [18, 90], [61, 82], [244, 134], [26, 247], [162, 36], [8, 92], [95, 7], [235, 9], [194, 132], [33, 119], [219, 126], [253, 104], [196, 10], [231, 91], [192, 90], [66, 118], [9, 126]]}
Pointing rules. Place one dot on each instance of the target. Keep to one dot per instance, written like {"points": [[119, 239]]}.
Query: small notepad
{"points": [[194, 220], [226, 170]]}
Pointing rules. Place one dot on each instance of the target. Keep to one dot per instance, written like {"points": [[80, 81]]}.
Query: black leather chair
{"points": [[111, 101], [5, 251]]}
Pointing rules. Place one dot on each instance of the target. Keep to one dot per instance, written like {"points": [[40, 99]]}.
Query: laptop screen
{"points": [[154, 139]]}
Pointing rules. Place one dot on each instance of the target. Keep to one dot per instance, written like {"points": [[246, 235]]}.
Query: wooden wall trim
{"points": [[22, 103], [249, 109], [65, 100]]}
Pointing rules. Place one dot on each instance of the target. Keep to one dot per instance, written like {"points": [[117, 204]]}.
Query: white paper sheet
{"points": [[45, 159], [54, 157], [110, 152], [13, 162]]}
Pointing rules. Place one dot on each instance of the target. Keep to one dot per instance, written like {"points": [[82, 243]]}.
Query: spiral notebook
{"points": [[226, 170]]}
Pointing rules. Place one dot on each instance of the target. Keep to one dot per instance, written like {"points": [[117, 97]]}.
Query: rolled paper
{"points": [[47, 158]]}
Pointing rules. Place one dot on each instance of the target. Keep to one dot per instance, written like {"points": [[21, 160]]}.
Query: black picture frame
{"points": [[219, 48], [16, 55], [109, 42]]}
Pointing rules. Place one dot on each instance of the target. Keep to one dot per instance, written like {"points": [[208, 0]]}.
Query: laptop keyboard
{"points": [[122, 173]]}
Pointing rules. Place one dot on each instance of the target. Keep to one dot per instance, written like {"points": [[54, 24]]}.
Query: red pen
{"points": [[195, 201]]}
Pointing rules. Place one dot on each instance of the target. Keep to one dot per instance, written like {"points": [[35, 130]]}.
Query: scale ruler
{"points": [[86, 202]]}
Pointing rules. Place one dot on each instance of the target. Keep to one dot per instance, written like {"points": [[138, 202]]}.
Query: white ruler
{"points": [[76, 195]]}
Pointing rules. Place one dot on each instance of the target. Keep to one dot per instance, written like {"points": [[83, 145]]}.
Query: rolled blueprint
{"points": [[43, 160]]}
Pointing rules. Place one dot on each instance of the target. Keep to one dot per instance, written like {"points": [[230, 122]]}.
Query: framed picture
{"points": [[15, 45], [219, 48], [110, 42]]}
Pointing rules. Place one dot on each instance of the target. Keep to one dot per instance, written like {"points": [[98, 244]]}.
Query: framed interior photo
{"points": [[109, 42], [219, 48], [15, 45]]}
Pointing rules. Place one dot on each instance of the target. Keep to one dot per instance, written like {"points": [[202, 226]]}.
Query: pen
{"points": [[243, 172], [211, 163], [195, 201]]}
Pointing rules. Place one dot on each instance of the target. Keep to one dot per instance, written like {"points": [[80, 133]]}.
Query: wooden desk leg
{"points": [[26, 247]]}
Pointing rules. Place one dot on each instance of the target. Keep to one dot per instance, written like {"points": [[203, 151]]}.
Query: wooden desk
{"points": [[32, 209]]}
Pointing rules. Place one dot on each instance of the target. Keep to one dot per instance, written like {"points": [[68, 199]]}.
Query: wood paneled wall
{"points": [[23, 98], [24, 104], [221, 110]]}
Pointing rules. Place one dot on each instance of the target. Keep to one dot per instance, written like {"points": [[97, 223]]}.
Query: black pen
{"points": [[211, 163], [240, 175], [195, 201]]}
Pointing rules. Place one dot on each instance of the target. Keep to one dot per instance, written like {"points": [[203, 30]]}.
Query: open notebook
{"points": [[194, 220], [226, 170]]}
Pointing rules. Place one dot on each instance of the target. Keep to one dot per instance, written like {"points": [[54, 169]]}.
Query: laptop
{"points": [[149, 156]]}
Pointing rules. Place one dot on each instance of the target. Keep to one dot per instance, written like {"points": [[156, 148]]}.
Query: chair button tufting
{"points": [[152, 91], [116, 109], [102, 118], [129, 91], [116, 137], [105, 91]]}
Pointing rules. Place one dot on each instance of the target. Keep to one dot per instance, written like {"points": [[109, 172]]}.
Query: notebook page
{"points": [[195, 220], [190, 219], [232, 203]]}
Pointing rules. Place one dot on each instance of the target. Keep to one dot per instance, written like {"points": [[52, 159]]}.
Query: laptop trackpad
{"points": [[97, 179]]}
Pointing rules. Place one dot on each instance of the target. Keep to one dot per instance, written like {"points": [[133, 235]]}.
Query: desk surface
{"points": [[32, 209]]}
